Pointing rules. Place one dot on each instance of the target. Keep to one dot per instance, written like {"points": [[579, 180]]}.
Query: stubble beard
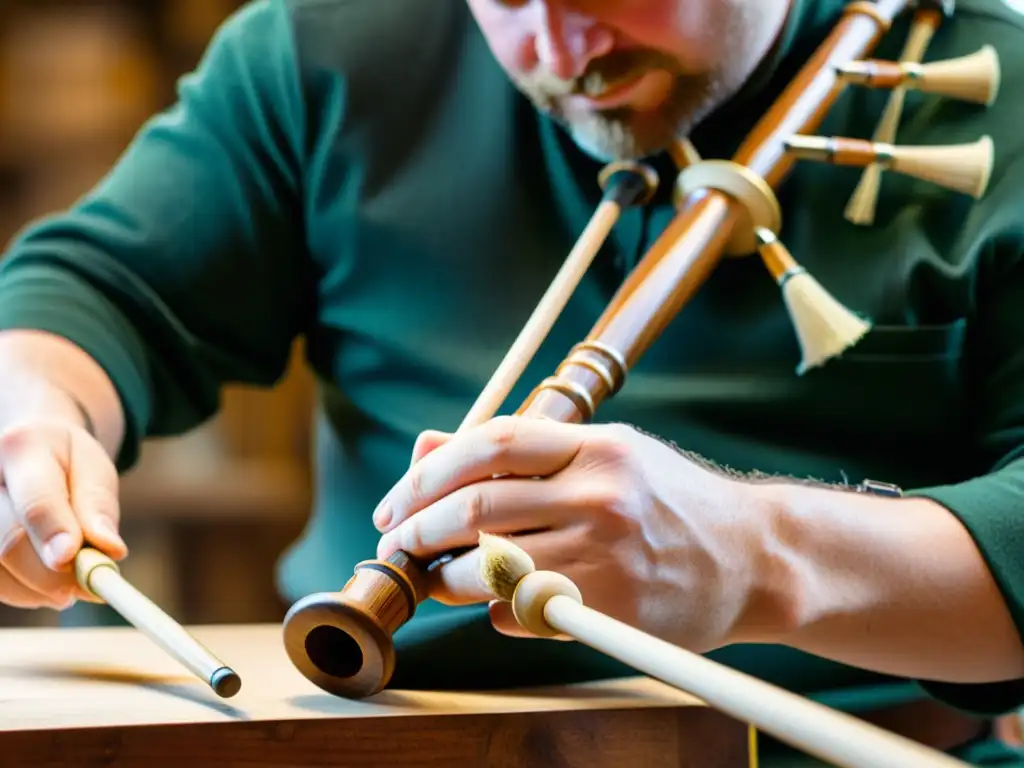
{"points": [[624, 133], [748, 29]]}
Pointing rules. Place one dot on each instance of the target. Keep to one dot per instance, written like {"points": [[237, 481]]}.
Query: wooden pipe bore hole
{"points": [[334, 651]]}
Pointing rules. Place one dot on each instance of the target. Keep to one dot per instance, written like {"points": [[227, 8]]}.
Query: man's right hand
{"points": [[58, 492]]}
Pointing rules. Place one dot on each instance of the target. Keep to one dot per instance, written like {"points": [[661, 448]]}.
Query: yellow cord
{"points": [[752, 746]]}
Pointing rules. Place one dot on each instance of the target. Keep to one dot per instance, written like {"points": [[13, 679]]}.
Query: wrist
{"points": [[27, 397], [48, 378], [824, 557], [42, 404], [780, 573]]}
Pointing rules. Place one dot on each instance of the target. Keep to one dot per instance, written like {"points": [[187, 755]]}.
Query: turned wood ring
{"points": [[760, 206]]}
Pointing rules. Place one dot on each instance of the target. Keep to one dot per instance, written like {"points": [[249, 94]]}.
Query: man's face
{"points": [[625, 77]]}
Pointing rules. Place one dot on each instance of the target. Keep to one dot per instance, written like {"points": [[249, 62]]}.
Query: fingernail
{"points": [[58, 549], [382, 516]]}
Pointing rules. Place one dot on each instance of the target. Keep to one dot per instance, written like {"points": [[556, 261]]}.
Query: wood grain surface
{"points": [[109, 697]]}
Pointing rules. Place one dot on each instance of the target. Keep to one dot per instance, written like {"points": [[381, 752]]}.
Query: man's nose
{"points": [[567, 41]]}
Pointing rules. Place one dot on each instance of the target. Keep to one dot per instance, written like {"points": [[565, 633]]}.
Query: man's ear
{"points": [[427, 442]]}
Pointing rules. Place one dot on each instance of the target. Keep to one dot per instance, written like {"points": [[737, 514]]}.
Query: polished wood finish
{"points": [[807, 100], [668, 276], [109, 697], [656, 290], [877, 74], [974, 78], [345, 646], [777, 259], [838, 150], [963, 168]]}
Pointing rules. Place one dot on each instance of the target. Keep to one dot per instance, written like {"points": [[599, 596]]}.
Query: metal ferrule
{"points": [[811, 147], [884, 154], [765, 236], [579, 396], [912, 71], [789, 274], [856, 72], [628, 183]]}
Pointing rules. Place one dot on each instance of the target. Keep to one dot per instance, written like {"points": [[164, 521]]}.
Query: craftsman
{"points": [[397, 182]]}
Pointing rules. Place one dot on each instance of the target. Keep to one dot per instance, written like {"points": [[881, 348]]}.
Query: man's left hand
{"points": [[649, 536]]}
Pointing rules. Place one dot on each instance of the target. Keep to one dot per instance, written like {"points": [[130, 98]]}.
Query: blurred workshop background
{"points": [[206, 517]]}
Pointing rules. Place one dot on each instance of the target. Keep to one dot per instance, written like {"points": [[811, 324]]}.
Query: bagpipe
{"points": [[342, 641]]}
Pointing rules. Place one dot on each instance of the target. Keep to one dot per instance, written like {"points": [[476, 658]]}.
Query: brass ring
{"points": [[752, 192], [613, 355], [580, 397], [592, 365]]}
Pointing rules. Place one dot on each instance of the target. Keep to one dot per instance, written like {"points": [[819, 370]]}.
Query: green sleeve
{"points": [[183, 269], [991, 504]]}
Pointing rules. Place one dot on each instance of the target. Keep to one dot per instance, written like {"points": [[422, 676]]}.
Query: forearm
{"points": [[46, 376], [893, 585]]}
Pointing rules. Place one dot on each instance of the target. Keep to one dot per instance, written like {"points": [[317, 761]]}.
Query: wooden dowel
{"points": [[543, 319], [100, 576], [828, 734], [549, 604], [618, 195]]}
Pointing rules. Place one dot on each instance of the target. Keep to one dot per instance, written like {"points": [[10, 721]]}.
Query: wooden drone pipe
{"points": [[929, 15], [974, 78], [964, 168]]}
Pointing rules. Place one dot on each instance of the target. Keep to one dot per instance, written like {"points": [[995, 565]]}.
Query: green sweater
{"points": [[362, 174]]}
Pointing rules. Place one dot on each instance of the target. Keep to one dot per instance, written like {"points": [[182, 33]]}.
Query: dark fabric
{"points": [[362, 174]]}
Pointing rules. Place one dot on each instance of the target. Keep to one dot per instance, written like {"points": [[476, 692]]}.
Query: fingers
{"points": [[522, 447], [37, 483], [504, 621], [17, 595], [93, 485], [59, 491], [427, 442], [503, 506], [459, 581], [50, 588], [24, 581]]}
